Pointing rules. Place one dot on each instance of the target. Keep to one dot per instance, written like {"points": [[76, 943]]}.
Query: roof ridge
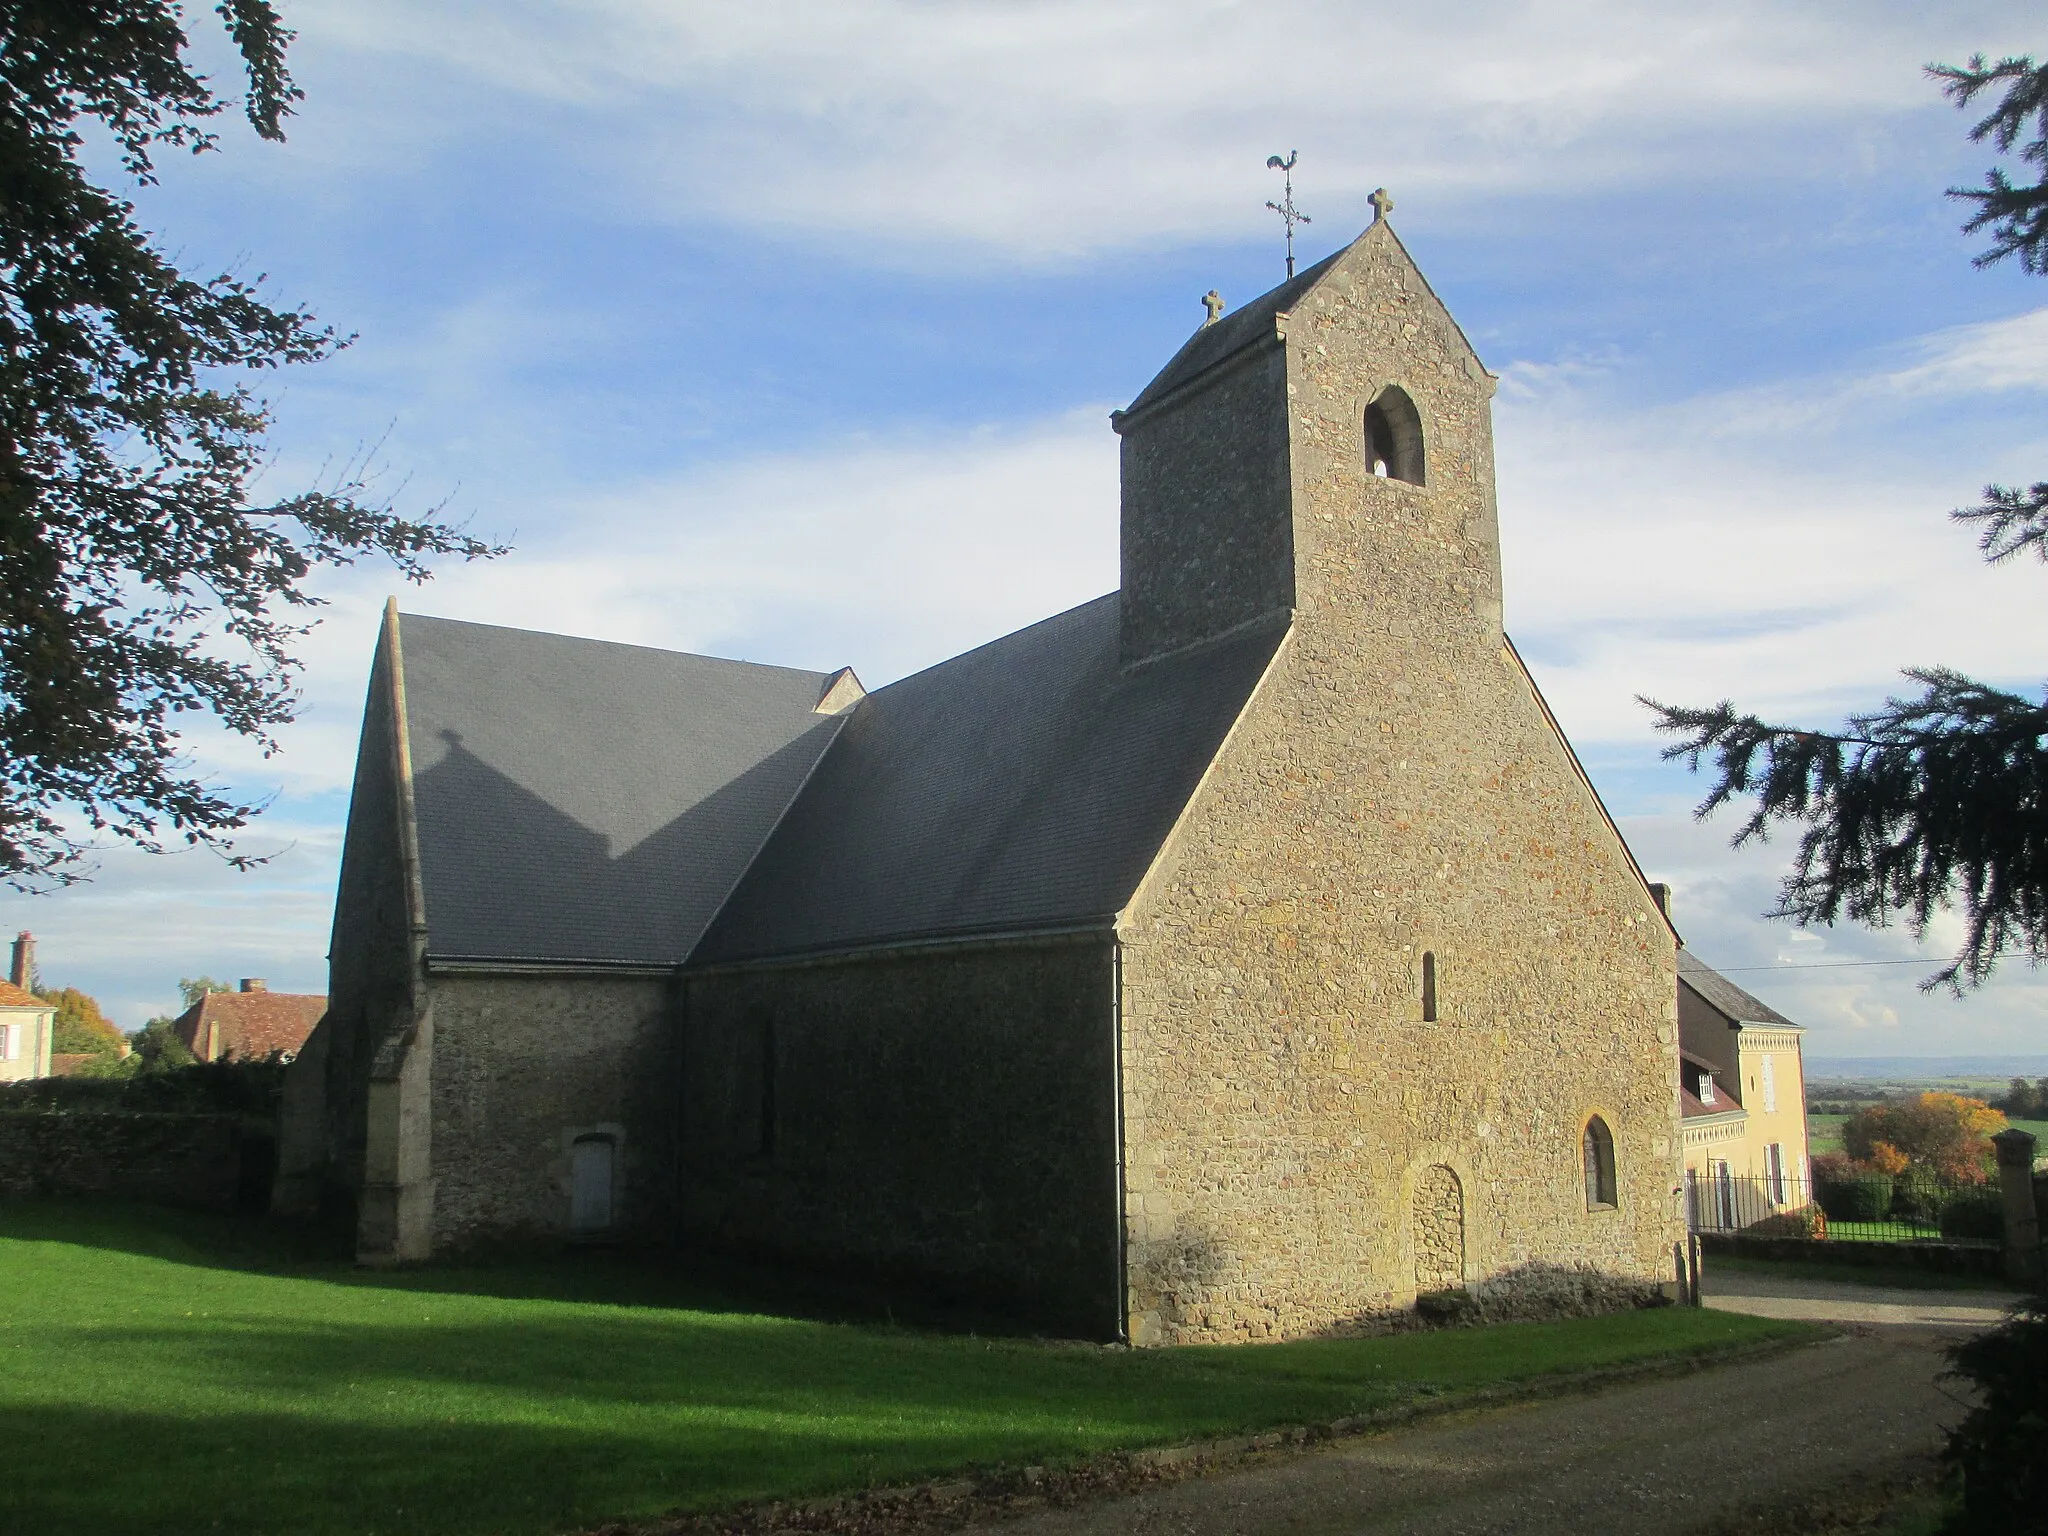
{"points": [[820, 673]]}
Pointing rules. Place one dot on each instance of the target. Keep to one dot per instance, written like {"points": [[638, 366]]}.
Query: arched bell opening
{"points": [[1393, 437]]}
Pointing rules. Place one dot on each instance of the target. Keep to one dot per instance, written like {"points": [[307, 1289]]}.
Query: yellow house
{"points": [[1742, 1101], [26, 1021]]}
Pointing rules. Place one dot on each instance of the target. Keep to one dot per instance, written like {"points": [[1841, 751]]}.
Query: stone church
{"points": [[1241, 954]]}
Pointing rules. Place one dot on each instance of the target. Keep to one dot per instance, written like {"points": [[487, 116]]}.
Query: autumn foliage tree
{"points": [[80, 1029], [1939, 1133]]}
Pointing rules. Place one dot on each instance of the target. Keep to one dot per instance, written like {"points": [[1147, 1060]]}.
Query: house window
{"points": [[1770, 1088], [1428, 987], [1774, 1172], [591, 1162], [1393, 436], [755, 1088], [10, 1043], [1706, 1088], [1599, 1159]]}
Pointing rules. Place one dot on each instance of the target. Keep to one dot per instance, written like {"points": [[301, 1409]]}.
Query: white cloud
{"points": [[1981, 359], [143, 922], [1784, 545], [1054, 128], [1847, 985]]}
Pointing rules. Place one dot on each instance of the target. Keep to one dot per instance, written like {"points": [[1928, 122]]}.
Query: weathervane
{"points": [[1285, 207]]}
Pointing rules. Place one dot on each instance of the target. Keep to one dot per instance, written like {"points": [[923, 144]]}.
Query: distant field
{"points": [[1824, 1133], [1885, 1088]]}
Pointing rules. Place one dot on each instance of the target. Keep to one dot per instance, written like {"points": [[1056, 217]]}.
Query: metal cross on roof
{"points": [[1285, 207]]}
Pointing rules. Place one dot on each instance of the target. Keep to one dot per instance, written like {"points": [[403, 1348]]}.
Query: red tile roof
{"points": [[1691, 1069], [12, 996], [251, 1024]]}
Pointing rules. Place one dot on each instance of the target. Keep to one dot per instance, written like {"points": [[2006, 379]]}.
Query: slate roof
{"points": [[1239, 329], [252, 1024], [1026, 784], [1722, 995], [583, 801]]}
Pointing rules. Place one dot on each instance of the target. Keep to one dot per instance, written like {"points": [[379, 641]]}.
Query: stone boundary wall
{"points": [[205, 1162]]}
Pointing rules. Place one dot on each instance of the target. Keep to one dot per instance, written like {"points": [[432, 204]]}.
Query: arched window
{"points": [[1428, 987], [1393, 436], [590, 1183], [1599, 1156]]}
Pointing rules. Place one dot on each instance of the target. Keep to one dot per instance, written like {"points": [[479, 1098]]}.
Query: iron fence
{"points": [[1856, 1207]]}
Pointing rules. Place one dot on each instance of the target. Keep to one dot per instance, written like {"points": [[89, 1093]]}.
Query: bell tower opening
{"points": [[1393, 436]]}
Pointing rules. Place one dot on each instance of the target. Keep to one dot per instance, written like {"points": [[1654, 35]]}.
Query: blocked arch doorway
{"points": [[1437, 1221]]}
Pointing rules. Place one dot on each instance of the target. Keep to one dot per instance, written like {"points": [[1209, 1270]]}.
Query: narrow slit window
{"points": [[767, 1089], [1599, 1158], [1428, 987], [754, 1096]]}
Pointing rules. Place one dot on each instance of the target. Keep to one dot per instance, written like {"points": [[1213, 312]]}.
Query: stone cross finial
{"points": [[1212, 301], [1382, 204]]}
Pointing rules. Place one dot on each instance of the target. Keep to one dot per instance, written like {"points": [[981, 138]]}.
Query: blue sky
{"points": [[790, 331]]}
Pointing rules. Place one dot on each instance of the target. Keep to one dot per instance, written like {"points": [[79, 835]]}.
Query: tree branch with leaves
{"points": [[1938, 800], [139, 581]]}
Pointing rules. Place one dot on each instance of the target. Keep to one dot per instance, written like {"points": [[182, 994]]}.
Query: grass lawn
{"points": [[1824, 1134], [1896, 1230], [167, 1373]]}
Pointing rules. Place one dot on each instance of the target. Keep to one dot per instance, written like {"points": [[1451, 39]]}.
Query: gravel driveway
{"points": [[1681, 1454]]}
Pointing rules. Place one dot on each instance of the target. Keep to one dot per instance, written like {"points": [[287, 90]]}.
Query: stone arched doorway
{"points": [[1439, 1229]]}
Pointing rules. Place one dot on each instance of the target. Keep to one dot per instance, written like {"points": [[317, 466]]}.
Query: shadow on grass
{"points": [[140, 1394], [1884, 1276], [674, 1278], [540, 1421], [262, 1473]]}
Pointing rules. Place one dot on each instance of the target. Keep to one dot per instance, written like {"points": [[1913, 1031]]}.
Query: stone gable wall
{"points": [[1394, 788]]}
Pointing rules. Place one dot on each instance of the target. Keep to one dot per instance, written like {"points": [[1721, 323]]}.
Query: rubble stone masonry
{"points": [[1304, 1152]]}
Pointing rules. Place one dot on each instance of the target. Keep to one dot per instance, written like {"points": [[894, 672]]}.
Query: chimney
{"points": [[24, 960], [1661, 894], [254, 984]]}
